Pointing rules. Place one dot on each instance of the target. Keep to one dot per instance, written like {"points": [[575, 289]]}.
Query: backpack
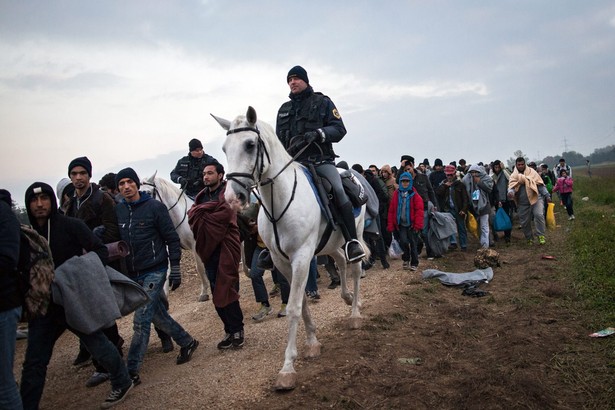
{"points": [[37, 272]]}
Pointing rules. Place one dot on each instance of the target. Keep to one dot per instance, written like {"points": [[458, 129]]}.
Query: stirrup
{"points": [[355, 258]]}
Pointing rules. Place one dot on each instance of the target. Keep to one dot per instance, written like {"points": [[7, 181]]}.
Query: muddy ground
{"points": [[422, 345]]}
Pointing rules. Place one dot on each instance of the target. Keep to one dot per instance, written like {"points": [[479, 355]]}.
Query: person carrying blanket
{"points": [[528, 190], [214, 225]]}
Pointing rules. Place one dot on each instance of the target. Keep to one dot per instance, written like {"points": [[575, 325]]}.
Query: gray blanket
{"points": [[82, 285], [456, 279]]}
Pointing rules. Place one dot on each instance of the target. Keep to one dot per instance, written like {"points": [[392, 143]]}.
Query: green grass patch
{"points": [[591, 243]]}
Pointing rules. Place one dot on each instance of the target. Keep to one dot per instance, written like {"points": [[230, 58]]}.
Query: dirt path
{"points": [[422, 345]]}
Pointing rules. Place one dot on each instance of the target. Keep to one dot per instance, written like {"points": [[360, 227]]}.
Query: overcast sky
{"points": [[128, 81]]}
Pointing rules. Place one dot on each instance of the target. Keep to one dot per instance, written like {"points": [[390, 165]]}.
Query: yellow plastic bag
{"points": [[550, 219], [472, 225]]}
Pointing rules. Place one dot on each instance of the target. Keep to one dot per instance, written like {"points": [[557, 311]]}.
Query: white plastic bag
{"points": [[395, 251]]}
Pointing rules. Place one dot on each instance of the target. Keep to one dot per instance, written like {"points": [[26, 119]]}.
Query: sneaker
{"points": [[185, 353], [117, 396], [354, 251], [262, 313], [282, 312], [572, 217], [313, 294], [530, 242], [405, 265], [82, 359], [237, 340], [21, 334], [385, 264], [136, 379], [275, 291], [430, 258], [334, 284], [412, 267], [264, 260], [452, 246], [226, 343], [96, 379], [541, 240], [507, 240]]}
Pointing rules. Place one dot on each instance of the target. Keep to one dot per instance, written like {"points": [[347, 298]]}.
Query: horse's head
{"points": [[248, 149]]}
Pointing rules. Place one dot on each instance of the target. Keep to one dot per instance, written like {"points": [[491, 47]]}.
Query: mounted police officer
{"points": [[311, 120], [189, 170]]}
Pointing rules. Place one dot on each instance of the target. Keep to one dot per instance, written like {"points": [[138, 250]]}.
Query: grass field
{"points": [[592, 242]]}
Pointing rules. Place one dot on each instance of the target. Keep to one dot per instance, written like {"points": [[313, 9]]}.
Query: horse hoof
{"points": [[312, 351], [204, 298], [355, 323], [286, 381], [348, 299]]}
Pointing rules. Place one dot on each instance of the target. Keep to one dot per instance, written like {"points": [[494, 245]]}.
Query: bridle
{"points": [[155, 193], [259, 163]]}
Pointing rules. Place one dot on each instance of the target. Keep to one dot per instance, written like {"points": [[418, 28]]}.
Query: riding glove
{"points": [[175, 277]]}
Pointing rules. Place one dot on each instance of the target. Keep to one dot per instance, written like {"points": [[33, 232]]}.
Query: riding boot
{"points": [[353, 249], [264, 260]]}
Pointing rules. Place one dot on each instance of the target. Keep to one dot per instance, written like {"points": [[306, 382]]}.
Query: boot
{"points": [[353, 249]]}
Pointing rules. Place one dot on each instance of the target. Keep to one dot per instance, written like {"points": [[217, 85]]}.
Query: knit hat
{"points": [[83, 162], [6, 197], [449, 170], [342, 164], [438, 163], [426, 162], [405, 176], [299, 72], [127, 173], [63, 185], [407, 158], [39, 188], [194, 144]]}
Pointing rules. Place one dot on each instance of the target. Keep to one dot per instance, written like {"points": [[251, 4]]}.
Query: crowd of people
{"points": [[88, 216]]}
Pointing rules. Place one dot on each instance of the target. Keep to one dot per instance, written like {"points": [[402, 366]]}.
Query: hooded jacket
{"points": [[416, 209], [478, 192]]}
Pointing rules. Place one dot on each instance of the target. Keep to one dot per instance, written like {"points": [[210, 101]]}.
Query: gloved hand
{"points": [[99, 231], [182, 182], [310, 137], [175, 277]]}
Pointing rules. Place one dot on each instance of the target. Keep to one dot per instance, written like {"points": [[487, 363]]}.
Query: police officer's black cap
{"points": [[194, 144], [407, 158], [299, 72]]}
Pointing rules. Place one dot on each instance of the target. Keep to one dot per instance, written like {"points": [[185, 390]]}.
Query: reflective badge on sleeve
{"points": [[336, 114]]}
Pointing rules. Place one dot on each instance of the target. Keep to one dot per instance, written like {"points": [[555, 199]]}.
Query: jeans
{"points": [[312, 286], [483, 227], [408, 239], [461, 230], [154, 312], [9, 394], [567, 201], [256, 276], [43, 332]]}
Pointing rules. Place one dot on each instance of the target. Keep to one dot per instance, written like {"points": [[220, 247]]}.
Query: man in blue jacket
{"points": [[146, 226]]}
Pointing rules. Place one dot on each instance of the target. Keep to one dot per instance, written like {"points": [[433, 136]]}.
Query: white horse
{"points": [[178, 204], [290, 223]]}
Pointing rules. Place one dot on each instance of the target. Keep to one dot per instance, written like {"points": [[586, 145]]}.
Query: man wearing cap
{"points": [[437, 175], [67, 237], [308, 125], [146, 226], [188, 172], [97, 210], [454, 199]]}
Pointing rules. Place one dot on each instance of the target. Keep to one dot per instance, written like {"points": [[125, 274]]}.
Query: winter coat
{"points": [[416, 212], [479, 192], [563, 185], [149, 231]]}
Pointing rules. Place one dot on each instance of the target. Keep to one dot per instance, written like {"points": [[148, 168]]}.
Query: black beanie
{"points": [[299, 72], [39, 188], [194, 144], [438, 163], [426, 161], [6, 197], [83, 162], [127, 173], [407, 158]]}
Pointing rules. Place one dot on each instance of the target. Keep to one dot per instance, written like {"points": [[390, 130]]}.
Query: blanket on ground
{"points": [[214, 224], [456, 279]]}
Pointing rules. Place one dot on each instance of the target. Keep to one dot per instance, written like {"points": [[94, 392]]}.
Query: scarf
{"points": [[405, 194]]}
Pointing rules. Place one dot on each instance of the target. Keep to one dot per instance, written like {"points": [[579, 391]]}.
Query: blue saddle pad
{"points": [[356, 211]]}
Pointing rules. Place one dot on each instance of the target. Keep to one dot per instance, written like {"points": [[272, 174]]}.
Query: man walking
{"points": [[146, 226], [188, 172], [67, 237]]}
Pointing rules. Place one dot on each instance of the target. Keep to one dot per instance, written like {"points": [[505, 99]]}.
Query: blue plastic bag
{"points": [[502, 221]]}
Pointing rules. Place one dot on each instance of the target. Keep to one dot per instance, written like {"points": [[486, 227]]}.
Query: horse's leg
{"points": [[355, 315], [200, 268], [340, 260], [311, 343], [297, 277]]}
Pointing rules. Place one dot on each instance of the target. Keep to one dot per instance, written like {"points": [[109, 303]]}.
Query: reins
{"points": [[261, 152], [181, 194]]}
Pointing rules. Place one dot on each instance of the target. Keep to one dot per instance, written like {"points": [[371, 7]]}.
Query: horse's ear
{"points": [[226, 124], [154, 176], [251, 116]]}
